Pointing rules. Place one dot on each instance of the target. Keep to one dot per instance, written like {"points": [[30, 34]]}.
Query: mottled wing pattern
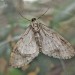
{"points": [[25, 50], [55, 45]]}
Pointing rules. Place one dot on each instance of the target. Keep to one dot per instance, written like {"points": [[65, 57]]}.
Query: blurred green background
{"points": [[60, 17]]}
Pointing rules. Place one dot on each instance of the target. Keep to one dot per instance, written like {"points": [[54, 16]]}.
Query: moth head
{"points": [[34, 22], [33, 19]]}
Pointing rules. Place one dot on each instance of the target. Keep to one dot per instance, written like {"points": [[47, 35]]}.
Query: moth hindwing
{"points": [[39, 38]]}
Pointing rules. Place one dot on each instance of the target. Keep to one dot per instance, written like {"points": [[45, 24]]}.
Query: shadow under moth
{"points": [[39, 38]]}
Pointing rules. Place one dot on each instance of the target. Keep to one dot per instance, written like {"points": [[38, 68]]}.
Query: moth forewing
{"points": [[55, 45], [25, 50]]}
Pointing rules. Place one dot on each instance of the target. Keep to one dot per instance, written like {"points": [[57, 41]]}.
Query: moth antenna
{"points": [[43, 13], [20, 14], [23, 16]]}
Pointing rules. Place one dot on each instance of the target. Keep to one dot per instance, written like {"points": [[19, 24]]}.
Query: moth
{"points": [[39, 38]]}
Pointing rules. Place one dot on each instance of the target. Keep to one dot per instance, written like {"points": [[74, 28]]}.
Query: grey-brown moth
{"points": [[39, 38]]}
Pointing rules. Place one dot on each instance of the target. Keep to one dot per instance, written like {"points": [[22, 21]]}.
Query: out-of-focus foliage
{"points": [[60, 17]]}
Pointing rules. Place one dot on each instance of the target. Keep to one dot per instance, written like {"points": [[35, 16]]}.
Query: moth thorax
{"points": [[35, 27]]}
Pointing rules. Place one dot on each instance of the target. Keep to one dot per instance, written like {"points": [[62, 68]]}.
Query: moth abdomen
{"points": [[38, 40]]}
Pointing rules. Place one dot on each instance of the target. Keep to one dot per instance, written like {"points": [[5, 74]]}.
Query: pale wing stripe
{"points": [[27, 45], [47, 46]]}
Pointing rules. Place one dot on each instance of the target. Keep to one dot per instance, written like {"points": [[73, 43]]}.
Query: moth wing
{"points": [[25, 50], [55, 45]]}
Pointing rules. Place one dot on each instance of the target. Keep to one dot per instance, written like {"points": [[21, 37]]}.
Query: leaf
{"points": [[13, 71]]}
